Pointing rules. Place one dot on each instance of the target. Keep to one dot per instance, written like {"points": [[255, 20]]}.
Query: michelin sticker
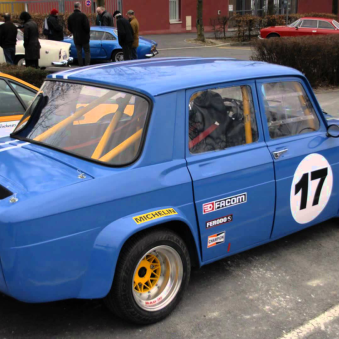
{"points": [[140, 219], [311, 188]]}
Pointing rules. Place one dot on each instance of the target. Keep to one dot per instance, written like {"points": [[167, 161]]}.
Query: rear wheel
{"points": [[20, 60], [151, 277], [273, 35], [117, 56]]}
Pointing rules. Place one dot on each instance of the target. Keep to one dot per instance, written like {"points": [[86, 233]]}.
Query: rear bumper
{"points": [[151, 55], [63, 63]]}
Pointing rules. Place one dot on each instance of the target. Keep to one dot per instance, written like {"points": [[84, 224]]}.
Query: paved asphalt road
{"points": [[286, 289]]}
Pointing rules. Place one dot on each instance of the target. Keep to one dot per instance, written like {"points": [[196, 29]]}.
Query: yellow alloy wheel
{"points": [[147, 274]]}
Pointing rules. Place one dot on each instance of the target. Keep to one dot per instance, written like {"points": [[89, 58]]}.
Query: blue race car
{"points": [[121, 177], [104, 45]]}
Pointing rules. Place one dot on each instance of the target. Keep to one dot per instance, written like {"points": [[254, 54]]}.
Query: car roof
{"points": [[165, 75], [103, 28], [313, 18], [9, 77]]}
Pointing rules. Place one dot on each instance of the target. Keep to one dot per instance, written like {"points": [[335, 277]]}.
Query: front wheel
{"points": [[151, 277], [20, 60], [117, 56]]}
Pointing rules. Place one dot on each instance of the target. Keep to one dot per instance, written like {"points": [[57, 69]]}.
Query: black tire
{"points": [[18, 58], [116, 54], [121, 300], [273, 35]]}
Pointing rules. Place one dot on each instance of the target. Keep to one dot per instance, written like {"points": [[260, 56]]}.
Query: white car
{"points": [[51, 53]]}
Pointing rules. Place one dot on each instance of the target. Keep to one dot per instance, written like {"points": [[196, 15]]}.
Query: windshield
{"points": [[294, 24], [95, 123], [335, 23]]}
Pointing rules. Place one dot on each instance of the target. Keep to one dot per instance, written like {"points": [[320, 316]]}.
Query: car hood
{"points": [[26, 172], [54, 44], [152, 42]]}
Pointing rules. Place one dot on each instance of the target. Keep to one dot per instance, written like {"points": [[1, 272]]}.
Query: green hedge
{"points": [[315, 56], [31, 75]]}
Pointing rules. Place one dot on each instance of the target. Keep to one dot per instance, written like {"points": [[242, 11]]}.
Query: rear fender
{"points": [[100, 273]]}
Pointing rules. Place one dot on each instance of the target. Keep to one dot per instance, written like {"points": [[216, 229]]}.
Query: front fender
{"points": [[100, 273]]}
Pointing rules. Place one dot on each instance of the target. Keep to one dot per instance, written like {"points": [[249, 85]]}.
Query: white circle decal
{"points": [[311, 188]]}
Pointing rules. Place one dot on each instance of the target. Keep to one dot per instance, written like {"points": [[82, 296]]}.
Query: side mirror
{"points": [[333, 131]]}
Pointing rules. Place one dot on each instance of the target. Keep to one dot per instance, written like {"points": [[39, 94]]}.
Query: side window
{"points": [[108, 36], [26, 95], [309, 24], [325, 25], [288, 109], [10, 105], [221, 118], [96, 35]]}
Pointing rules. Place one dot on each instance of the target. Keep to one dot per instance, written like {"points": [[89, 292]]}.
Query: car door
{"points": [[307, 27], [11, 108], [109, 43], [306, 160], [95, 44], [325, 27], [231, 168]]}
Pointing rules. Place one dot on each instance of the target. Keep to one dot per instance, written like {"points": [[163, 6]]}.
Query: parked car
{"points": [[180, 171], [105, 46], [15, 96], [303, 26], [55, 53]]}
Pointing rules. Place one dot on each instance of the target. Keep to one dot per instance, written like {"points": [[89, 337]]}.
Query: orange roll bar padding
{"points": [[111, 127], [121, 147], [303, 103], [247, 115], [43, 136]]}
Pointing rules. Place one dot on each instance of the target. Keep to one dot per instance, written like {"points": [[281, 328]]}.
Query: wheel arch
{"points": [[273, 34], [98, 278]]}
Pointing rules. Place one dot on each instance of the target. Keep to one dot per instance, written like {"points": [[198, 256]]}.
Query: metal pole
{"points": [[287, 12]]}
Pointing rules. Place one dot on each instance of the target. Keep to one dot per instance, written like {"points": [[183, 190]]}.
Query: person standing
{"points": [[125, 34], [78, 25], [31, 40], [8, 32], [104, 18], [135, 26], [56, 32]]}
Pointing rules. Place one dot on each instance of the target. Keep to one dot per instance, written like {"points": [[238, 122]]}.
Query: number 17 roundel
{"points": [[311, 188]]}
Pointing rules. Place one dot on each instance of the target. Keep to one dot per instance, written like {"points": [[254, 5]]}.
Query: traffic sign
{"points": [[88, 3]]}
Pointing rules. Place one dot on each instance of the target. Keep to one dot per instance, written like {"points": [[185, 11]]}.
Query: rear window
{"points": [[96, 123]]}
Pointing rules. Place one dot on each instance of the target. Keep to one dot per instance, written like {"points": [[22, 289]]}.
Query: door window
{"points": [[108, 36], [325, 25], [221, 118], [96, 35], [10, 104], [26, 95], [288, 109], [309, 24]]}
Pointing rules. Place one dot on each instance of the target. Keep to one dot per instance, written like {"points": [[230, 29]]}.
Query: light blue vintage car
{"points": [[104, 45], [121, 177]]}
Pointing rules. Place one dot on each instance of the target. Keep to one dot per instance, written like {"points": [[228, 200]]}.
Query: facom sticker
{"points": [[216, 239], [311, 188], [224, 203], [219, 221], [140, 219]]}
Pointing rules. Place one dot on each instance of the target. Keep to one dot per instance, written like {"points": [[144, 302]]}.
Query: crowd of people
{"points": [[78, 24]]}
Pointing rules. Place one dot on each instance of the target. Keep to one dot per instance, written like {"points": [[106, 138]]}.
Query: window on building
{"points": [[221, 118], [174, 10], [309, 24], [325, 25]]}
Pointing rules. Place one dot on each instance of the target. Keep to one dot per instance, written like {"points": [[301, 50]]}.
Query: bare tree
{"points": [[200, 25]]}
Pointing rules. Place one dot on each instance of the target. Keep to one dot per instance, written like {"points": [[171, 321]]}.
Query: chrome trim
{"points": [[151, 55], [63, 63]]}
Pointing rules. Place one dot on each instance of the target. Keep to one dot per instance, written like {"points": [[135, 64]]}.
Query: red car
{"points": [[303, 26]]}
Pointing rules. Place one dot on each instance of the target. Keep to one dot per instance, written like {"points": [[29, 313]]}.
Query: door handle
{"points": [[314, 31], [278, 154]]}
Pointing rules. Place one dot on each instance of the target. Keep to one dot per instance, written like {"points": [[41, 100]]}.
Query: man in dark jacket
{"points": [[8, 32], [78, 25], [56, 32], [104, 18], [125, 34], [31, 40]]}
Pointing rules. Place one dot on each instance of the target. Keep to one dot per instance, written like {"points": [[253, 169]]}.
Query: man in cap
{"points": [[135, 26], [125, 34], [8, 32]]}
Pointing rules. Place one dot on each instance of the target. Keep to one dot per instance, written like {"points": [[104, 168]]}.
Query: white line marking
{"points": [[198, 46], [11, 147], [8, 142], [314, 324]]}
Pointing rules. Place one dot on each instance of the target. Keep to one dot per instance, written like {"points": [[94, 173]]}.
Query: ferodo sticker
{"points": [[140, 219], [224, 203], [216, 239], [311, 188], [219, 221]]}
